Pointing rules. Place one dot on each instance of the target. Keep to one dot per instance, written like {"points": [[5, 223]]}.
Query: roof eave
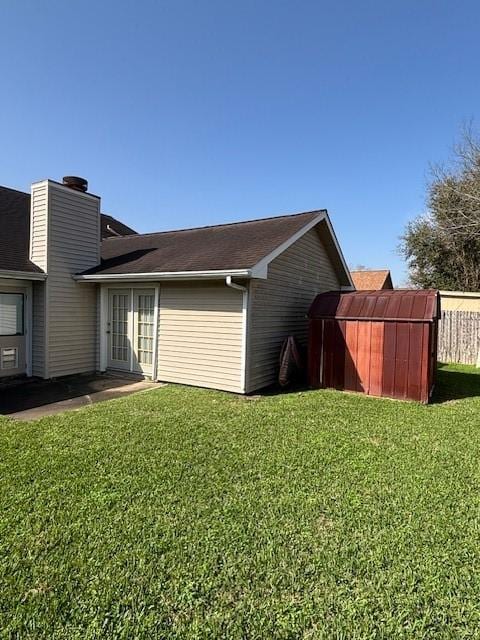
{"points": [[22, 275], [262, 266], [340, 252], [168, 275], [259, 270]]}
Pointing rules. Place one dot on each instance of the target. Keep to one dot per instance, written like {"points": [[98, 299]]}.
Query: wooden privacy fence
{"points": [[459, 337]]}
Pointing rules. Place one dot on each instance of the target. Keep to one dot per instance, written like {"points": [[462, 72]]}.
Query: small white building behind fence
{"points": [[459, 328]]}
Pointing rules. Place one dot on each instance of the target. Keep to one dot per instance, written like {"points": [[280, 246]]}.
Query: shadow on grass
{"points": [[455, 382], [277, 390]]}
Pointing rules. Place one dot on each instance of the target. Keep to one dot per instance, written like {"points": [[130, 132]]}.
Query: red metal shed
{"points": [[383, 343]]}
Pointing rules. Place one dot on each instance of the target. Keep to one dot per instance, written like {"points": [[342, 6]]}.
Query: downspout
{"points": [[234, 285], [244, 290]]}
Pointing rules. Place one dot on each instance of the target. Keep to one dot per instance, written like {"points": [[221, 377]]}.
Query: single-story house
{"points": [[370, 279], [211, 306]]}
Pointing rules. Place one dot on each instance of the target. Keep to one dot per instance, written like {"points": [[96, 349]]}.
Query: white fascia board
{"points": [[22, 275], [260, 269], [164, 275], [339, 251]]}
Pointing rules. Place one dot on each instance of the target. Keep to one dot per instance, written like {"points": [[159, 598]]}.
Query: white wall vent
{"points": [[9, 358]]}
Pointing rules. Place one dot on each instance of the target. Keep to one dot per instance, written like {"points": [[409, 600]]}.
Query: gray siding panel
{"points": [[200, 336], [278, 305]]}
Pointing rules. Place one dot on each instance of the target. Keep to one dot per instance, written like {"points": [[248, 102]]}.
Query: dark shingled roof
{"points": [[111, 228], [238, 245], [15, 230]]}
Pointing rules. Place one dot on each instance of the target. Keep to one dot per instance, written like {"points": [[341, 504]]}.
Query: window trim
{"points": [[22, 332]]}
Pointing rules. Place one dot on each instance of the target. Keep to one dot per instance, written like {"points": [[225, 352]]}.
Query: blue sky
{"points": [[188, 113]]}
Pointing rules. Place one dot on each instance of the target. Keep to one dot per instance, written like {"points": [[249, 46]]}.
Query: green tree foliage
{"points": [[442, 247]]}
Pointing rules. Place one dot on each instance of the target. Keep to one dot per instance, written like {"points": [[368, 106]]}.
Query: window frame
{"points": [[22, 332]]}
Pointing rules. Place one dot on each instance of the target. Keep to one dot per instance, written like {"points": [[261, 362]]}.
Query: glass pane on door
{"points": [[145, 313], [119, 327]]}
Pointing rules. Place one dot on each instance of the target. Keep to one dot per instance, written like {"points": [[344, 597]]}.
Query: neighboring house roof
{"points": [[370, 279], [15, 231]]}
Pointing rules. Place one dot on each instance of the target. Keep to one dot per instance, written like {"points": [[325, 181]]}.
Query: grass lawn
{"points": [[185, 513]]}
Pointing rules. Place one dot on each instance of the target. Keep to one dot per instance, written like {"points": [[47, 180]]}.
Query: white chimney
{"points": [[64, 240]]}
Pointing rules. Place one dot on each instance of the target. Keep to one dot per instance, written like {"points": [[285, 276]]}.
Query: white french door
{"points": [[119, 346], [131, 328], [143, 328]]}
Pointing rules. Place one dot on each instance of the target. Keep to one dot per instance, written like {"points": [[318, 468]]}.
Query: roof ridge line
{"points": [[24, 193], [224, 224]]}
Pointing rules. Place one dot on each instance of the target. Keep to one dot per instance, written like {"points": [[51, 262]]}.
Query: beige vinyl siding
{"points": [[72, 328], [74, 236], [38, 329], [278, 305], [459, 301], [200, 333], [39, 225]]}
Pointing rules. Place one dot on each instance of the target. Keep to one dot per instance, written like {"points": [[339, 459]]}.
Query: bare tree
{"points": [[454, 192]]}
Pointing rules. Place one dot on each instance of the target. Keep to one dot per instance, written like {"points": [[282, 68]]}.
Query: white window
{"points": [[9, 358], [11, 314]]}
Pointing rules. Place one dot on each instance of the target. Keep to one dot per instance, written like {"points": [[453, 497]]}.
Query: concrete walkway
{"points": [[35, 399]]}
